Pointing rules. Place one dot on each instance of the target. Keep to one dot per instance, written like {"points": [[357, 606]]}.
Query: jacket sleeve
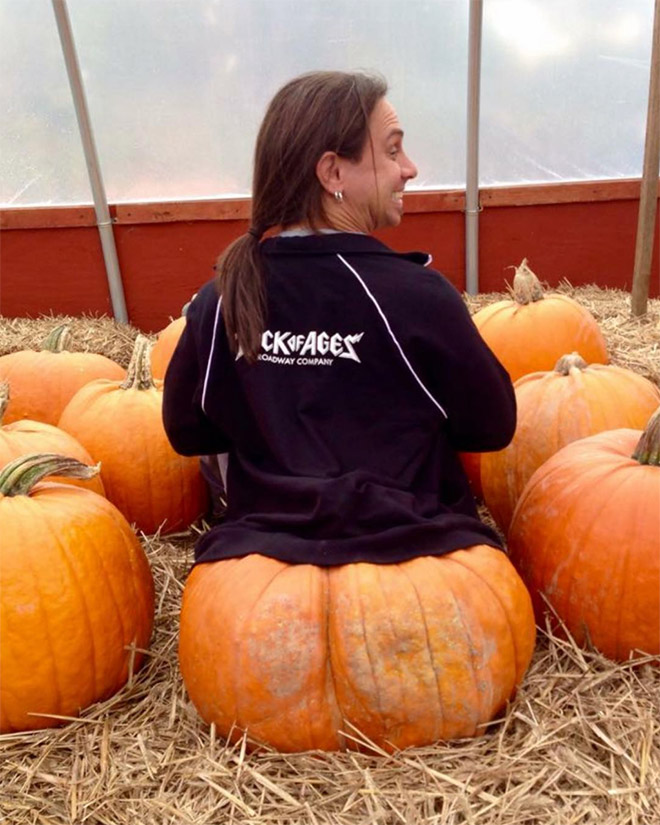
{"points": [[188, 428], [460, 371]]}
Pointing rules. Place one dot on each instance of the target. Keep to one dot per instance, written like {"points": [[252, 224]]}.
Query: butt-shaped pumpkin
{"points": [[301, 655]]}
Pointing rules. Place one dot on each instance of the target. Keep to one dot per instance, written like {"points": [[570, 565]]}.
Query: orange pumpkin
{"points": [[165, 344], [120, 425], [532, 330], [585, 536], [77, 597], [43, 381], [471, 463], [572, 401], [25, 436], [409, 653]]}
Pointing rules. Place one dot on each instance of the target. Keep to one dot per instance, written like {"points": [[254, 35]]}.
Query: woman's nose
{"points": [[408, 169]]}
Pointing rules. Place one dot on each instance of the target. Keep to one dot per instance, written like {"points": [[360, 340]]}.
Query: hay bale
{"points": [[89, 333]]}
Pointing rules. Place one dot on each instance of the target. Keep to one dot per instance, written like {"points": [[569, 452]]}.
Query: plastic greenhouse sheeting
{"points": [[176, 89]]}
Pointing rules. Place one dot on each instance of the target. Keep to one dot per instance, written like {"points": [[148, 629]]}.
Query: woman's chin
{"points": [[394, 217]]}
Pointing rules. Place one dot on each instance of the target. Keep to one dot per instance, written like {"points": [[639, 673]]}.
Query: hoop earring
{"points": [[339, 196]]}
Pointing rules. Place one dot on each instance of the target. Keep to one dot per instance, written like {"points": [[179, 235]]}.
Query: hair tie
{"points": [[254, 232]]}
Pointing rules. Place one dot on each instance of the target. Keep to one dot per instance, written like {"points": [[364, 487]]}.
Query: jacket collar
{"points": [[344, 243]]}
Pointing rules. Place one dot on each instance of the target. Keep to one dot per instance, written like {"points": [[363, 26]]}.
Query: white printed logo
{"points": [[313, 343], [308, 349]]}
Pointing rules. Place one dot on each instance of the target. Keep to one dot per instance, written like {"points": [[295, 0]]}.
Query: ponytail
{"points": [[241, 285]]}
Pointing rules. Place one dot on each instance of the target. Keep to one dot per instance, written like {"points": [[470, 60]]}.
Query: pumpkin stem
{"points": [[568, 362], [139, 375], [19, 476], [56, 339], [526, 286], [647, 450], [4, 398]]}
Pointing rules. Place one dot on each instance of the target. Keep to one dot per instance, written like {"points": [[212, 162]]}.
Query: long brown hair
{"points": [[312, 114]]}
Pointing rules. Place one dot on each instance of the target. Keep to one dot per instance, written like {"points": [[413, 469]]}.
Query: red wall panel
{"points": [[52, 269], [586, 243], [51, 259], [163, 264]]}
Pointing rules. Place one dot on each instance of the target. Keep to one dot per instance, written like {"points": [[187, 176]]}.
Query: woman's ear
{"points": [[328, 171]]}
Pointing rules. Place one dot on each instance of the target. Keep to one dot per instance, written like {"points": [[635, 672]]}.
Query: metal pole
{"points": [[648, 199], [472, 208], [103, 220]]}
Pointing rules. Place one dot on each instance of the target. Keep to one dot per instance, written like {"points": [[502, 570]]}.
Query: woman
{"points": [[341, 378]]}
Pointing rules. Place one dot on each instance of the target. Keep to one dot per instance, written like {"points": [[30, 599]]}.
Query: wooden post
{"points": [[648, 198]]}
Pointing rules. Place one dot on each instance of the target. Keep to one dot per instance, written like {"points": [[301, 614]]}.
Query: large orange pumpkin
{"points": [[409, 653], [471, 463], [120, 425], [43, 381], [165, 344], [556, 407], [77, 596], [586, 537], [532, 330], [26, 436]]}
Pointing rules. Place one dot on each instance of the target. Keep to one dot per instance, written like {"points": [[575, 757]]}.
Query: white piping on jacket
{"points": [[208, 365], [392, 335]]}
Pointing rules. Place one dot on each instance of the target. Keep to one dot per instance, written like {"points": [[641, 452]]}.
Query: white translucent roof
{"points": [[177, 88]]}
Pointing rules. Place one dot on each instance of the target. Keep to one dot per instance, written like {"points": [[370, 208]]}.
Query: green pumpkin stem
{"points": [[19, 476], [56, 339], [526, 286], [567, 362], [139, 375], [647, 450], [4, 399]]}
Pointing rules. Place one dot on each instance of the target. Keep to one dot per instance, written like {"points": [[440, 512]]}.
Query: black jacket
{"points": [[343, 437]]}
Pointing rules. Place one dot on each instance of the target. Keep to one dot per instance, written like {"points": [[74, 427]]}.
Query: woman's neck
{"points": [[302, 229]]}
